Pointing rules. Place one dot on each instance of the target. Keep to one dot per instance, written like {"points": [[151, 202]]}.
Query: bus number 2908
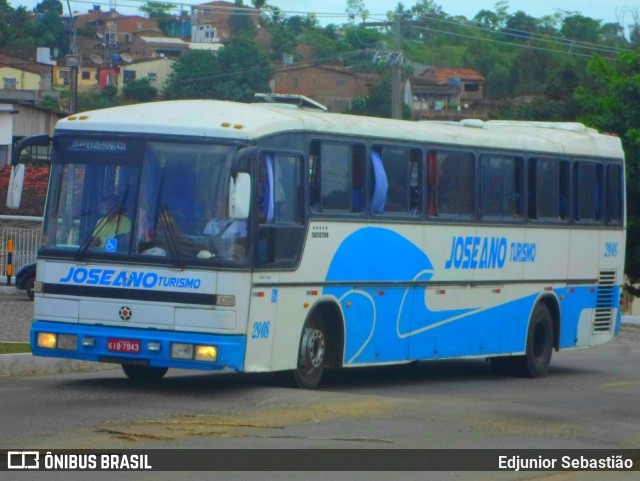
{"points": [[260, 330]]}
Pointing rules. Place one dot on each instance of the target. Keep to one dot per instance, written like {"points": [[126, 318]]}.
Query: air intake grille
{"points": [[604, 301]]}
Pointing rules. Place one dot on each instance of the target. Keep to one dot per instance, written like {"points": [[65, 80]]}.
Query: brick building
{"points": [[331, 85]]}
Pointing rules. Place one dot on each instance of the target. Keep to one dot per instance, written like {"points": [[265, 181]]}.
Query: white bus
{"points": [[263, 237]]}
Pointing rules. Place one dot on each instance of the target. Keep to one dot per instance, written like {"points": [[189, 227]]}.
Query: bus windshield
{"points": [[153, 200]]}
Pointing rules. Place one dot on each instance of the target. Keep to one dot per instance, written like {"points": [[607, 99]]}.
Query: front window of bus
{"points": [[155, 201]]}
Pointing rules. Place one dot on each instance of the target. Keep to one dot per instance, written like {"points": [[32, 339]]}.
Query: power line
{"points": [[527, 35], [502, 42]]}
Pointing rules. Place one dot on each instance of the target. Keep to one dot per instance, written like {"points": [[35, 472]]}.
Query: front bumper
{"points": [[231, 348]]}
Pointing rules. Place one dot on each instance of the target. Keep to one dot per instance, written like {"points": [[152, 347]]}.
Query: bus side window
{"points": [[614, 194], [501, 185], [454, 183], [402, 169], [549, 189], [336, 177], [588, 191]]}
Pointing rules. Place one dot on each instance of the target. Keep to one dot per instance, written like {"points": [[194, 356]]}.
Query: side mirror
{"points": [[16, 181], [240, 196]]}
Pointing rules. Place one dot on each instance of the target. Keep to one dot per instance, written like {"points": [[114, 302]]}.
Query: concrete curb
{"points": [[26, 364]]}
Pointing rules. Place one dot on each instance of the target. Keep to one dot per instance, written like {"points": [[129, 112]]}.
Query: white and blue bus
{"points": [[342, 241]]}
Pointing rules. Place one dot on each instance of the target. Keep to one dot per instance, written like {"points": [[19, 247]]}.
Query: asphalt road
{"points": [[588, 400]]}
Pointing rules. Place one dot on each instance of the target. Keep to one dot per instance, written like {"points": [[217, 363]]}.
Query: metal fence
{"points": [[25, 246]]}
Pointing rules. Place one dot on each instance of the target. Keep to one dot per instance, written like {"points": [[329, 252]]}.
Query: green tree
{"points": [[50, 32], [378, 102], [240, 22], [140, 90], [520, 26], [487, 19], [193, 76], [107, 97], [6, 14], [240, 70], [610, 99], [583, 29], [49, 5], [161, 12], [244, 68]]}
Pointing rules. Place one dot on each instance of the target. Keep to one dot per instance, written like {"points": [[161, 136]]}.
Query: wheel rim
{"points": [[314, 348]]}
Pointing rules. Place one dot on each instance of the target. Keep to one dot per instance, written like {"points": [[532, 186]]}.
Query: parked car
{"points": [[25, 279]]}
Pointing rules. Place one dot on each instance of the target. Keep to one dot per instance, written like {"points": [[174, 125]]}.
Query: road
{"points": [[589, 399]]}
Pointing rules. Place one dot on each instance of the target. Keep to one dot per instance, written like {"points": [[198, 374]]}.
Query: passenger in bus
{"points": [[221, 225], [229, 235], [113, 222]]}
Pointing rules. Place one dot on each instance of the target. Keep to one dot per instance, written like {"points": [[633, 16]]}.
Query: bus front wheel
{"points": [[144, 373], [311, 357]]}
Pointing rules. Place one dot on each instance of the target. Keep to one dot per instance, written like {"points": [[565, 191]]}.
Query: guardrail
{"points": [[25, 247]]}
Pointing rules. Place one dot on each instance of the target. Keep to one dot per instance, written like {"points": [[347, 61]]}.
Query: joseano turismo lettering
{"points": [[487, 252], [114, 278]]}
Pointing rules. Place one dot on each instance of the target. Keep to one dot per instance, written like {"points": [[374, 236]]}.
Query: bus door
{"points": [[281, 231]]}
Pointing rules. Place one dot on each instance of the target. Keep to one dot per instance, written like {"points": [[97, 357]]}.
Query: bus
{"points": [[273, 237]]}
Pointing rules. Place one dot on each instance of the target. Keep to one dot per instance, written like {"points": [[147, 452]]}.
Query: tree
{"points": [[193, 76], [244, 70], [520, 26], [240, 22], [610, 99], [354, 9], [49, 31], [140, 90], [49, 5], [487, 19], [161, 11], [583, 29], [157, 9], [240, 70], [6, 13]]}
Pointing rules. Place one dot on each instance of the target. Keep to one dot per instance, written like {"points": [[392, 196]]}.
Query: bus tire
{"points": [[144, 373], [538, 352], [311, 356], [537, 356]]}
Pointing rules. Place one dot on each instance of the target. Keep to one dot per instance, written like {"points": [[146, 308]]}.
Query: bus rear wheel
{"points": [[539, 344], [538, 352], [144, 373], [311, 357]]}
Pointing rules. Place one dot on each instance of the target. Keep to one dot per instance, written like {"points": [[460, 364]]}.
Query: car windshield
{"points": [[130, 198]]}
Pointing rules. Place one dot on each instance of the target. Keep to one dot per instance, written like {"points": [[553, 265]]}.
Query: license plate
{"points": [[123, 345]]}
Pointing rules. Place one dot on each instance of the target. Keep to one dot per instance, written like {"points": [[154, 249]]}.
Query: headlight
{"points": [[206, 353], [181, 351], [68, 342], [46, 340]]}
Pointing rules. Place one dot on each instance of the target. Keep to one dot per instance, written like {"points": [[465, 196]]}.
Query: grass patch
{"points": [[14, 347]]}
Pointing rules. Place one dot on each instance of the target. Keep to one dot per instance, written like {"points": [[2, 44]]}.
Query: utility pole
{"points": [[394, 60], [73, 61], [396, 71]]}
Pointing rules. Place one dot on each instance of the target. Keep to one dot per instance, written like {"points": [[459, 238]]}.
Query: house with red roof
{"points": [[436, 90]]}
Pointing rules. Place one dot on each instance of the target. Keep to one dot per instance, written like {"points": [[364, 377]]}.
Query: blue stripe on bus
{"points": [[395, 323], [231, 348]]}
